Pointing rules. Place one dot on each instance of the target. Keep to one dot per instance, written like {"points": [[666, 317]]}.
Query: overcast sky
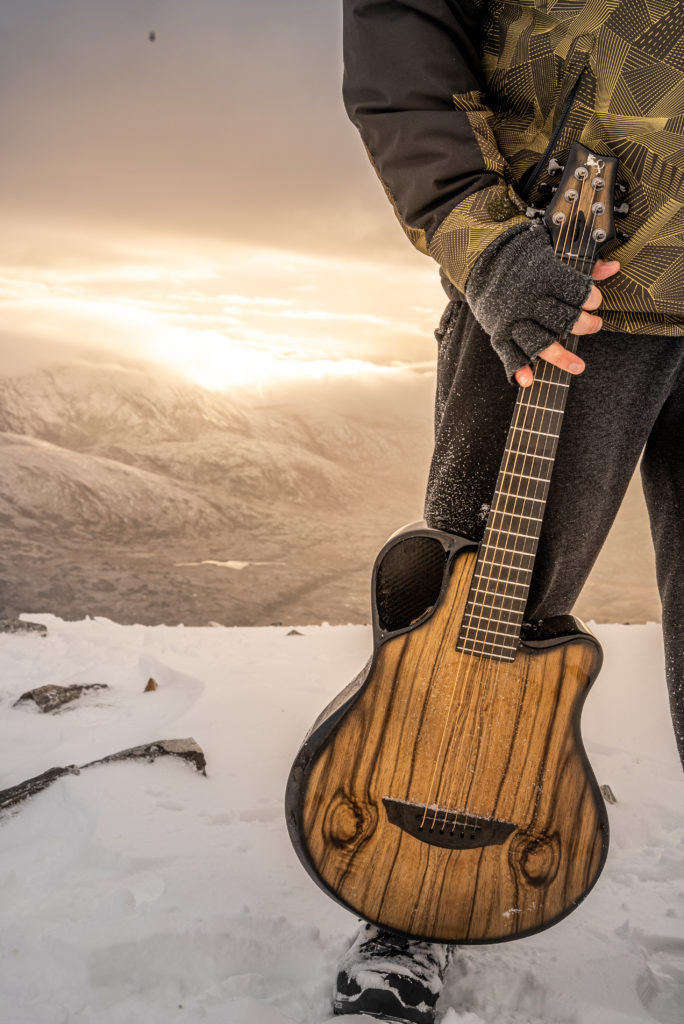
{"points": [[146, 183]]}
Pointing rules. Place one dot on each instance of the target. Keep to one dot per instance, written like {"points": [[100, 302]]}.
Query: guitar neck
{"points": [[580, 221], [501, 581]]}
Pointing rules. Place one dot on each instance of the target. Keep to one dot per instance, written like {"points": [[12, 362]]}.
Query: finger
{"points": [[587, 324], [524, 376], [562, 357], [595, 299], [604, 269]]}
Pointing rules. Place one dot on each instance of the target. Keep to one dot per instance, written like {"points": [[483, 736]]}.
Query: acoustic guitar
{"points": [[446, 793]]}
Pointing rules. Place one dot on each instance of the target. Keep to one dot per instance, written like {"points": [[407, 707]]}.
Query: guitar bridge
{"points": [[442, 826]]}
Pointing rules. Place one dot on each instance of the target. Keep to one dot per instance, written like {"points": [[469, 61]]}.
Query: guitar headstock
{"points": [[580, 215]]}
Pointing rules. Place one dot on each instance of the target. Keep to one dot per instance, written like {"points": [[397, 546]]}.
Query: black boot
{"points": [[391, 977]]}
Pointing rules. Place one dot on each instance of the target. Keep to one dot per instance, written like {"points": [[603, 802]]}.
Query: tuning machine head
{"points": [[580, 214]]}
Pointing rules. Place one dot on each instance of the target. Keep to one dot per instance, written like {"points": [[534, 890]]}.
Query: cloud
{"points": [[180, 312]]}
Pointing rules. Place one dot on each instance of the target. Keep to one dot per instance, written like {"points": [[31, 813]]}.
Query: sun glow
{"points": [[229, 318], [215, 362]]}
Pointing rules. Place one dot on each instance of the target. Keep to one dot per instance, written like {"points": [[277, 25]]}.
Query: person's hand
{"points": [[585, 324]]}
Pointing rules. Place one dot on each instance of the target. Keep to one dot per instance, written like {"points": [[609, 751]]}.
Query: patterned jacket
{"points": [[461, 103]]}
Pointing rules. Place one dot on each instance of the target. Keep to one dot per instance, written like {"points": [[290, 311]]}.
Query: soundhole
{"points": [[408, 581]]}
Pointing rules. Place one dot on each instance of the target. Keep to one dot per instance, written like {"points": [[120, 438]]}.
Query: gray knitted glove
{"points": [[523, 296]]}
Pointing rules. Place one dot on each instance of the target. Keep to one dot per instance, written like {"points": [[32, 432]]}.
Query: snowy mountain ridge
{"points": [[135, 471]]}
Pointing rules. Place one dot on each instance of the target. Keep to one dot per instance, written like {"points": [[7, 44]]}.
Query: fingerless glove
{"points": [[523, 295]]}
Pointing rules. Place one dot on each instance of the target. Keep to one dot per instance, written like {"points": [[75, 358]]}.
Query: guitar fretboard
{"points": [[501, 581]]}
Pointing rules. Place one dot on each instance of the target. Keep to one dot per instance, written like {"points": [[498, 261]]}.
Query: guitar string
{"points": [[536, 393], [524, 408], [569, 221], [530, 408], [524, 400], [499, 531], [445, 731], [554, 371], [475, 668], [533, 492], [473, 664], [550, 376], [570, 343], [484, 583], [581, 242], [551, 449], [480, 588]]}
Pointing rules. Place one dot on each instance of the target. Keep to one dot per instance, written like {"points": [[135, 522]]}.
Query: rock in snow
{"points": [[188, 749], [138, 892], [20, 626], [52, 697], [15, 794]]}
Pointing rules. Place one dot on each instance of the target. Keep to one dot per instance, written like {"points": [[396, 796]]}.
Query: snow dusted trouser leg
{"points": [[629, 399]]}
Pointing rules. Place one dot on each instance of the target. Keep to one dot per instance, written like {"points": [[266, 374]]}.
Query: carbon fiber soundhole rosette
{"points": [[408, 581]]}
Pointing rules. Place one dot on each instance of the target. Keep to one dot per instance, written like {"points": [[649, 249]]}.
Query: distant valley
{"points": [[138, 496], [122, 489]]}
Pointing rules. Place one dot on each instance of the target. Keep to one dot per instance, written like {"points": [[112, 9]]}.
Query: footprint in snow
{"points": [[660, 986]]}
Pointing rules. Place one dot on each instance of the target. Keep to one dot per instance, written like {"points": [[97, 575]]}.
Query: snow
{"points": [[140, 892]]}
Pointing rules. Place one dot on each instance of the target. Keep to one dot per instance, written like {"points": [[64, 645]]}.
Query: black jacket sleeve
{"points": [[413, 86]]}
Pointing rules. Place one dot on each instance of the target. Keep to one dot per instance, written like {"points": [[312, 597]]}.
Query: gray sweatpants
{"points": [[629, 400]]}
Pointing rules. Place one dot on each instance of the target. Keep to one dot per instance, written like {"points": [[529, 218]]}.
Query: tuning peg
{"points": [[534, 213], [622, 210], [554, 167], [622, 237], [546, 188], [622, 187]]}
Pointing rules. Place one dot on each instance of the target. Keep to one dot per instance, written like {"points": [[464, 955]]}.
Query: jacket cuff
{"points": [[471, 227]]}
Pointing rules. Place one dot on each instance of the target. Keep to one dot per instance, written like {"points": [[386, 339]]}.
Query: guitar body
{"points": [[447, 795]]}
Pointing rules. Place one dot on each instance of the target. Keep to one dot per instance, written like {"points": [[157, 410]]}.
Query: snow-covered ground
{"points": [[141, 893]]}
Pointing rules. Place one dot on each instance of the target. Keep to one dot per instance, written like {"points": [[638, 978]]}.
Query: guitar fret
{"points": [[544, 408], [491, 656], [529, 430], [501, 547], [511, 533], [490, 643], [520, 497], [508, 583], [518, 515], [487, 604], [525, 476], [530, 455], [490, 628], [501, 564]]}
